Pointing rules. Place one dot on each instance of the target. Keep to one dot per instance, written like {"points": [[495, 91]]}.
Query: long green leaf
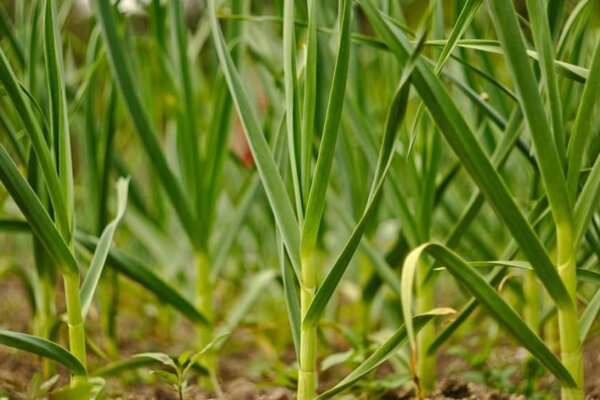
{"points": [[463, 142], [41, 347], [581, 132], [35, 213], [507, 26], [333, 115], [589, 316], [542, 38], [92, 277], [130, 93], [383, 352], [292, 108], [135, 270], [292, 296], [59, 118], [498, 308], [220, 125], [9, 32], [265, 164], [468, 12], [187, 135], [395, 117], [38, 141], [588, 201], [251, 293], [310, 92], [13, 137]]}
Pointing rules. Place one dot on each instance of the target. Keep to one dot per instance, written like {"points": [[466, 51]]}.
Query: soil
{"points": [[239, 375]]}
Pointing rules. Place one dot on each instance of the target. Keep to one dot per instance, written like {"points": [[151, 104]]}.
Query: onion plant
{"points": [[50, 148], [549, 142], [404, 163]]}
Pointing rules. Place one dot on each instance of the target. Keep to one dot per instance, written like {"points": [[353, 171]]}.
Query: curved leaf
{"points": [[464, 144], [501, 311], [138, 272], [36, 214], [131, 96], [92, 277], [42, 347], [384, 352], [265, 163]]}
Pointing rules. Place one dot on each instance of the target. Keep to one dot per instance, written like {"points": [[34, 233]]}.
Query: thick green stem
{"points": [[426, 367], [75, 322], [570, 345], [532, 301], [204, 302], [307, 373], [45, 316]]}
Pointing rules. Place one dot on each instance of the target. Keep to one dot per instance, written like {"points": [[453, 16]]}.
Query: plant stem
{"points": [[204, 302], [75, 322], [365, 306], [532, 301], [44, 317], [570, 345], [426, 368], [307, 373]]}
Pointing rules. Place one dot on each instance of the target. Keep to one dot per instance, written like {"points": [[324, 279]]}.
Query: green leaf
{"points": [[495, 278], [464, 144], [292, 107], [501, 311], [13, 226], [232, 229], [589, 316], [587, 203], [250, 294], [35, 213], [310, 92], [38, 141], [8, 31], [162, 358], [131, 96], [395, 117], [92, 277], [85, 390], [581, 131], [138, 272], [13, 137], [333, 115], [504, 14], [117, 367], [42, 347], [220, 124], [58, 113], [383, 270], [467, 13], [265, 163], [187, 132], [542, 38], [292, 296], [383, 352]]}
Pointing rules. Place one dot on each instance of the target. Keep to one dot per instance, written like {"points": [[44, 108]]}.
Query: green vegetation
{"points": [[347, 181]]}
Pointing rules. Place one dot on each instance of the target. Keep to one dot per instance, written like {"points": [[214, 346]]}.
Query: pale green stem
{"points": [[426, 364], [307, 373], [365, 268], [532, 301], [43, 320], [570, 345], [204, 302], [75, 323]]}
